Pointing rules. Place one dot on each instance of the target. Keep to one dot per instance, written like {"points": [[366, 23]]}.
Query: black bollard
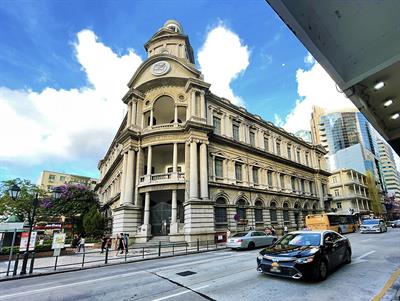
{"points": [[16, 265], [106, 257], [32, 263]]}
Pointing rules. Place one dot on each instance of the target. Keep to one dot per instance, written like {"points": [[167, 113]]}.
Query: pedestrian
{"points": [[81, 245], [103, 243], [273, 231], [119, 244], [285, 230], [267, 231], [126, 241], [228, 234], [75, 243]]}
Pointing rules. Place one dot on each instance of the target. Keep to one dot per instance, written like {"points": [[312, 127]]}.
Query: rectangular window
{"points": [[266, 144], [334, 179], [273, 215], [220, 215], [302, 185], [255, 175], [312, 187], [252, 139], [307, 162], [238, 171], [282, 180], [339, 205], [298, 156], [278, 148], [52, 178], [289, 153], [62, 178], [217, 125], [235, 131], [336, 192], [286, 216], [269, 176], [219, 168], [293, 181]]}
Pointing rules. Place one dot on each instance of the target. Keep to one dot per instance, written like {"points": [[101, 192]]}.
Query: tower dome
{"points": [[174, 25]]}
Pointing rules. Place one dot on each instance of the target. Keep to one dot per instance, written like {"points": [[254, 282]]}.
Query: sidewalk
{"points": [[93, 258]]}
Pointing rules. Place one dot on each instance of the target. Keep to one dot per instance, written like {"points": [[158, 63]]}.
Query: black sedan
{"points": [[305, 254]]}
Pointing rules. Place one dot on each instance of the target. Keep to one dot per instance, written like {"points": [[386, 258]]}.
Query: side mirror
{"points": [[328, 243]]}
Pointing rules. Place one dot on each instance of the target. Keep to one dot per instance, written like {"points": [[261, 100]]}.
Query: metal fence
{"points": [[109, 256]]}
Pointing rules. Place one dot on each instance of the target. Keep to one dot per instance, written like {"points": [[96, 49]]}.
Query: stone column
{"points": [[138, 164], [175, 158], [194, 193], [149, 155], [204, 173], [223, 125], [151, 117], [129, 179], [202, 104], [124, 168], [129, 118], [174, 212], [176, 114], [146, 227], [134, 112], [193, 104]]}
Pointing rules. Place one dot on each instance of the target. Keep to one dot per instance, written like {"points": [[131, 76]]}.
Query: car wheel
{"points": [[322, 271], [347, 257], [380, 230], [251, 245]]}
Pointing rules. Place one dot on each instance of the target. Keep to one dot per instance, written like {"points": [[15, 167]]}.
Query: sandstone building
{"points": [[187, 164]]}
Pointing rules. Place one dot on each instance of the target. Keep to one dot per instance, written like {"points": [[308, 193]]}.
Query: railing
{"points": [[170, 176], [163, 126], [96, 258]]}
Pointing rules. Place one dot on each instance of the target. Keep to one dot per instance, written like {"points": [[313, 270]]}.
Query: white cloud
{"points": [[309, 59], [223, 58], [314, 88], [68, 124]]}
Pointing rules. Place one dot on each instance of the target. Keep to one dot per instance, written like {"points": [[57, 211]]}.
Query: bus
{"points": [[341, 223]]}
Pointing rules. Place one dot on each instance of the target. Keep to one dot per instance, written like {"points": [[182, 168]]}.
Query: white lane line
{"points": [[365, 255], [2, 297], [181, 293]]}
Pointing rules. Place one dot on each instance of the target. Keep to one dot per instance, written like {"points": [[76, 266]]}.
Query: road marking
{"points": [[364, 240], [388, 284], [69, 285], [181, 293], [360, 259]]}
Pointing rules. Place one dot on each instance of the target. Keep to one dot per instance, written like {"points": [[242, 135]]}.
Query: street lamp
{"points": [[14, 193]]}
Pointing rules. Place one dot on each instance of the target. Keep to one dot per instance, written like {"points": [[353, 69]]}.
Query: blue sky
{"points": [[52, 62]]}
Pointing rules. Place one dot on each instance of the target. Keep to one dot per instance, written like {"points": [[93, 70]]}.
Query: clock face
{"points": [[160, 68]]}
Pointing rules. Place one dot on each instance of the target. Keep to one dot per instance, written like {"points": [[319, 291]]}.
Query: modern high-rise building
{"points": [[389, 170], [186, 164], [350, 141]]}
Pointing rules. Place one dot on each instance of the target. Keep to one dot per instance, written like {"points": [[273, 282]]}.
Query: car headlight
{"points": [[260, 257], [305, 260]]}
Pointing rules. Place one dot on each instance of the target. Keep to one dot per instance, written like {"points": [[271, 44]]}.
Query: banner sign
{"points": [[58, 241], [24, 241]]}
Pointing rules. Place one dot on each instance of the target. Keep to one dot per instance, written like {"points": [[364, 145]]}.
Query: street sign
{"points": [[24, 241], [57, 252], [58, 241], [9, 227]]}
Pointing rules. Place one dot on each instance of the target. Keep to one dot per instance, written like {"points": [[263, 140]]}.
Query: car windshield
{"points": [[301, 239], [241, 234], [370, 221]]}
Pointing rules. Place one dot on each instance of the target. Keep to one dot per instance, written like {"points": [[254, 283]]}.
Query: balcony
{"points": [[162, 178]]}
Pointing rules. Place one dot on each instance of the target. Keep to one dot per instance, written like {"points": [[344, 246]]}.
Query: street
{"points": [[219, 275]]}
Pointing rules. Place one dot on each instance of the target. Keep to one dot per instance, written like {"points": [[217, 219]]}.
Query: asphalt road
{"points": [[221, 275]]}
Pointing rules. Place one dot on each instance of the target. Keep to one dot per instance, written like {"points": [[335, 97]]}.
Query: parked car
{"points": [[373, 226], [305, 254], [250, 240], [395, 224]]}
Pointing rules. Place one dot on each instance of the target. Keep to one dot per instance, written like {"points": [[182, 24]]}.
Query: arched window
{"points": [[314, 209], [241, 208], [286, 218], [163, 110], [258, 211], [220, 211], [272, 213]]}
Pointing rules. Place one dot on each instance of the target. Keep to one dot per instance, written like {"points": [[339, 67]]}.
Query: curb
{"points": [[19, 277]]}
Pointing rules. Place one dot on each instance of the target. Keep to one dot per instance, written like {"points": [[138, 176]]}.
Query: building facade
{"points": [[350, 140], [389, 170], [49, 179], [188, 164], [349, 192]]}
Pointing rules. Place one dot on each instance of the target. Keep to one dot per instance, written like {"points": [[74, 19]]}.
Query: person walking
{"points": [[285, 230], [104, 240], [119, 244], [126, 241], [81, 245]]}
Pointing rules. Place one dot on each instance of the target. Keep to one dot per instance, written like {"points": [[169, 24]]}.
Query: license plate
{"points": [[275, 270]]}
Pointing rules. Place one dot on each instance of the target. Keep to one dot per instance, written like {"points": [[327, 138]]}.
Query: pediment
{"points": [[176, 68]]}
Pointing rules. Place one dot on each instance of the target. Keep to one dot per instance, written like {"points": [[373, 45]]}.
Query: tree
{"points": [[23, 206], [376, 201], [93, 223]]}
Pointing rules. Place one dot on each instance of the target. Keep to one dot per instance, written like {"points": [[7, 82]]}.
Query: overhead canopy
{"points": [[358, 44]]}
